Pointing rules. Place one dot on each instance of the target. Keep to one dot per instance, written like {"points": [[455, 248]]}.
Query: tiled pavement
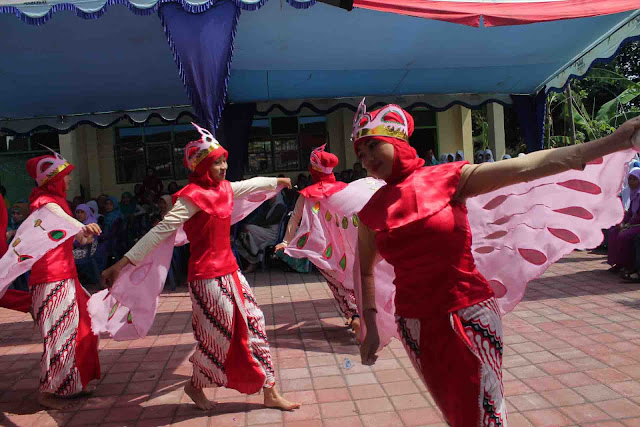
{"points": [[571, 358]]}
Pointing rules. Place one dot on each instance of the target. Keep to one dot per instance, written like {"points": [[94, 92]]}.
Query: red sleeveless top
{"points": [[209, 231], [58, 263], [426, 237]]}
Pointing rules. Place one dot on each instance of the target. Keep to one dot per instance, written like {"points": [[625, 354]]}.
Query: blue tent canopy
{"points": [[122, 61]]}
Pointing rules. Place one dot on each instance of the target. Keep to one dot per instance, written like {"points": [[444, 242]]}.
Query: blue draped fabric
{"points": [[531, 110], [202, 45], [233, 134]]}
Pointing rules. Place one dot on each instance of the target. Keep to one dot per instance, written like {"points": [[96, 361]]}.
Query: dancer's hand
{"points": [[286, 182], [110, 275], [628, 129], [369, 347], [91, 230], [371, 342], [281, 247]]}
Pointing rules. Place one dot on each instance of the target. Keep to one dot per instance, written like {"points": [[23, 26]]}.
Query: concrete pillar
{"points": [[335, 131], [495, 120], [455, 132], [106, 165], [94, 175], [339, 129], [68, 151], [466, 133], [347, 126]]}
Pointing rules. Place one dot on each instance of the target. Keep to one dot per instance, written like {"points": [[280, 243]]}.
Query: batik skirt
{"points": [[232, 349], [459, 359]]}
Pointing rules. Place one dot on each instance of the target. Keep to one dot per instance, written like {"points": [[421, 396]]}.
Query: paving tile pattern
{"points": [[571, 358]]}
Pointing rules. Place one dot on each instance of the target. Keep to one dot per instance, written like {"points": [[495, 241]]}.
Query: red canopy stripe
{"points": [[497, 13]]}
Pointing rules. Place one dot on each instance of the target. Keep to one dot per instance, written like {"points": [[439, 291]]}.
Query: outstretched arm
{"points": [[178, 215], [259, 183], [367, 257], [292, 225], [88, 231], [486, 177]]}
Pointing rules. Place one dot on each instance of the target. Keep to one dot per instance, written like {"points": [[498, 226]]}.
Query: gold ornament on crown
{"points": [[383, 130]]}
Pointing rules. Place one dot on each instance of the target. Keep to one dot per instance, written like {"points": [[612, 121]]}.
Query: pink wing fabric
{"points": [[243, 206], [328, 231], [520, 230], [328, 237], [127, 311], [39, 233]]}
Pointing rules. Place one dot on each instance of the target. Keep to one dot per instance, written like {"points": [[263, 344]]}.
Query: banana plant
{"points": [[613, 112]]}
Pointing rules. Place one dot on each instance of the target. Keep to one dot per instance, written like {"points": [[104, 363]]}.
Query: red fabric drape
{"points": [[4, 222], [16, 300], [499, 13]]}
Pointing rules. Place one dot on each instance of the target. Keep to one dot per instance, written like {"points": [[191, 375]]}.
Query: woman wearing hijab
{"points": [[446, 311], [85, 215], [621, 253], [19, 212], [487, 156], [93, 205], [228, 325], [328, 259], [625, 194], [478, 157], [87, 266], [459, 156], [112, 243], [506, 157], [70, 359]]}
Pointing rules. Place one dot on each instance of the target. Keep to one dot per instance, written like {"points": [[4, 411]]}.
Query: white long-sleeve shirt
{"points": [[183, 209], [55, 209]]}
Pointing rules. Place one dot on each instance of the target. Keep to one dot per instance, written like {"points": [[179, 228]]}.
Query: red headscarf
{"points": [[405, 157], [202, 174], [324, 182], [413, 192], [212, 196], [51, 192]]}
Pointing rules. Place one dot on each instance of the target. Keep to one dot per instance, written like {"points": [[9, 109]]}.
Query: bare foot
{"points": [[273, 399], [198, 397], [355, 325], [52, 401]]}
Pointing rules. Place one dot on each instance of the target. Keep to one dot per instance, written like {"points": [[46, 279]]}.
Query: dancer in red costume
{"points": [[70, 360], [232, 349], [446, 311], [324, 186]]}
